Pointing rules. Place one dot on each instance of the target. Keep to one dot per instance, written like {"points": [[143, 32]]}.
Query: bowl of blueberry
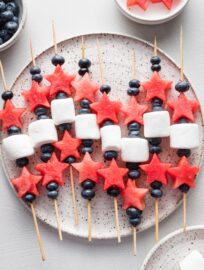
{"points": [[12, 21]]}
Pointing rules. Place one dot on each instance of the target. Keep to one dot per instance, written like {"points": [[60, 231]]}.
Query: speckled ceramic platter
{"points": [[167, 254], [117, 54]]}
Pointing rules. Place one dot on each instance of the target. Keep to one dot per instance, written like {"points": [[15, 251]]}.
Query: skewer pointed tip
{"points": [[155, 45], [54, 36], [181, 55]]}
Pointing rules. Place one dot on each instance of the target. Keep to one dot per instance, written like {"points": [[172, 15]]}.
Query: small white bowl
{"points": [[155, 14], [22, 20]]}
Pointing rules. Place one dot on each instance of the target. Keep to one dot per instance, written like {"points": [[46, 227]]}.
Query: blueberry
{"points": [[1, 41], [2, 6], [29, 198], [83, 71], [133, 91], [35, 70], [47, 148], [109, 155], [156, 185], [15, 19], [134, 126], [84, 63], [58, 60], [182, 86], [155, 141], [3, 34], [155, 60], [132, 165], [87, 142], [156, 67], [13, 130], [157, 102], [183, 120], [85, 150], [70, 160], [40, 111], [184, 188], [21, 162], [7, 95], [107, 123], [66, 126], [46, 156], [134, 174], [88, 184], [51, 186], [133, 133], [84, 111], [113, 191], [184, 152], [37, 77], [85, 103], [61, 95], [52, 194], [155, 149], [134, 83], [43, 116], [156, 193], [88, 194], [157, 109], [105, 88], [6, 15], [135, 221], [12, 7], [133, 212]]}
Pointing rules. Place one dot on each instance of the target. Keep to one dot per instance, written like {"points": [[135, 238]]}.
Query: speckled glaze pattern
{"points": [[174, 248], [117, 54]]}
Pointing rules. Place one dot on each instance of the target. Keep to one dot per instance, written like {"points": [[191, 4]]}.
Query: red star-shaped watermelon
{"points": [[60, 81], [52, 171], [134, 196], [134, 111], [37, 96], [85, 88], [68, 146], [11, 116], [156, 171], [113, 175], [88, 169], [167, 3], [142, 3], [183, 108], [156, 87], [26, 183], [106, 109], [184, 173]]}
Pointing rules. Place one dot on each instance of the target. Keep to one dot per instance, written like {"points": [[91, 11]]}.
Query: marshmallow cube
{"points": [[156, 124], [111, 138], [184, 136], [17, 146], [86, 127], [193, 261], [63, 111], [42, 131], [134, 150]]}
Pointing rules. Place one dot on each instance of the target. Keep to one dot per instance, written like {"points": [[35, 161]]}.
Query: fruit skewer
{"points": [[18, 147]]}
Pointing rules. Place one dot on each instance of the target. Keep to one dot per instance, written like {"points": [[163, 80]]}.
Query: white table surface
{"points": [[18, 246]]}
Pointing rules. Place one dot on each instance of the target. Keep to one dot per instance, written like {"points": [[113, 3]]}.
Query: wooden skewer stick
{"points": [[76, 220], [133, 64], [32, 53], [134, 241], [181, 55], [38, 232], [184, 211], [83, 47], [54, 36], [155, 46], [100, 61], [58, 220], [117, 219], [157, 220], [6, 87], [89, 221]]}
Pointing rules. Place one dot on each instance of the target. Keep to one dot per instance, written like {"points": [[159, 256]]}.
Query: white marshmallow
{"points": [[63, 111], [42, 131], [193, 261], [86, 127], [184, 136], [156, 124], [111, 138], [17, 146], [134, 150]]}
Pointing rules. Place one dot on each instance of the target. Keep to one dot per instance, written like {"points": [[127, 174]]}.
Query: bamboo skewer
{"points": [[82, 47], [157, 220], [54, 36], [89, 221], [117, 219], [58, 220], [133, 64], [155, 46], [134, 241], [76, 220], [6, 87], [181, 55], [184, 211], [32, 53]]}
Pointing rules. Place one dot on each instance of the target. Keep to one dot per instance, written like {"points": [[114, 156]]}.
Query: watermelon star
{"points": [[52, 171], [167, 3], [85, 88], [68, 146], [156, 171], [142, 3], [184, 173], [88, 169], [106, 109], [11, 116], [26, 183], [36, 96], [134, 111], [60, 81], [113, 176], [134, 196], [156, 87], [183, 107]]}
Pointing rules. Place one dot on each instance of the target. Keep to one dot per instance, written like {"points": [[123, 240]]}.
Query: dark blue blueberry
{"points": [[3, 34], [87, 142], [43, 116], [88, 194], [51, 186], [37, 77], [83, 71], [133, 212], [156, 185], [113, 191], [134, 126], [35, 70], [157, 109], [6, 15], [155, 141], [134, 83], [135, 221], [134, 174], [13, 130], [133, 91], [47, 148], [1, 41], [84, 63], [182, 86], [85, 150], [133, 133], [15, 19], [12, 6], [156, 193], [84, 111], [155, 60], [7, 95], [22, 162], [52, 194], [105, 88], [107, 123], [184, 188], [66, 126], [184, 152], [70, 160], [46, 156], [157, 102], [61, 95], [132, 165], [29, 198], [156, 68], [2, 6], [183, 120], [88, 184], [40, 111], [109, 155], [85, 103], [155, 149], [58, 60]]}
